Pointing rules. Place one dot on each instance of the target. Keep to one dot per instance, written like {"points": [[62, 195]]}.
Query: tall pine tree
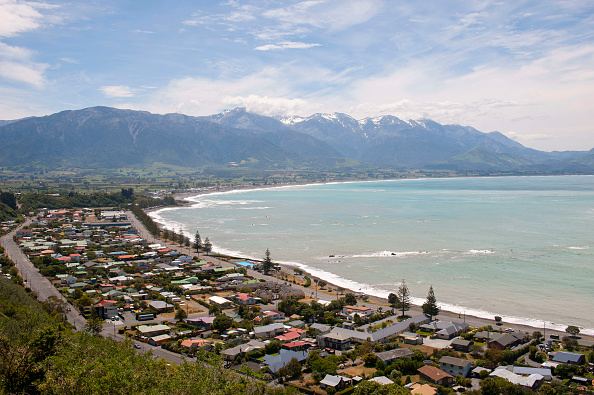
{"points": [[430, 306], [267, 264], [403, 298], [197, 242]]}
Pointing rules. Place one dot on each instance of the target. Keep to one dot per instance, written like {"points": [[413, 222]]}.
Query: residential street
{"points": [[33, 279]]}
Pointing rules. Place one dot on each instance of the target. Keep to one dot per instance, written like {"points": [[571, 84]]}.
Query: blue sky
{"points": [[524, 68]]}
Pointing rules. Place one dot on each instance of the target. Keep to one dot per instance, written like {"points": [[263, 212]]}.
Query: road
{"points": [[35, 280]]}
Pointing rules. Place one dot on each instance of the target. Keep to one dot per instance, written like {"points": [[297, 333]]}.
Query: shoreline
{"points": [[449, 311]]}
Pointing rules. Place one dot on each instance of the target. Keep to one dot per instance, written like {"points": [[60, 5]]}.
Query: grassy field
{"points": [[160, 176]]}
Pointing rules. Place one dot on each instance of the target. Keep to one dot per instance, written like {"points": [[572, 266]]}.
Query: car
{"points": [[509, 330], [68, 309], [137, 346]]}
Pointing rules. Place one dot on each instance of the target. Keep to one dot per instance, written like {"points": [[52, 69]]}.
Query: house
{"points": [[382, 380], [461, 345], [273, 315], [246, 299], [222, 303], [200, 322], [336, 382], [299, 345], [268, 331], [242, 349], [568, 357], [152, 330], [435, 376], [390, 356], [321, 328], [411, 338], [292, 335], [445, 329], [194, 344], [421, 389], [160, 306], [335, 341], [363, 312], [274, 362], [532, 381], [158, 340], [455, 366], [526, 371], [501, 341]]}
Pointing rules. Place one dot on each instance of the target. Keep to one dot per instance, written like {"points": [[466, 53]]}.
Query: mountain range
{"points": [[104, 137]]}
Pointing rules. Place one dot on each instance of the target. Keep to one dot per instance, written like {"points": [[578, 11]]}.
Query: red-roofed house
{"points": [[193, 344], [274, 315], [245, 299], [435, 376]]}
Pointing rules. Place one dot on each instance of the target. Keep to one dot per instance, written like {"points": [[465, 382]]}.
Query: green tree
{"points": [[93, 325], [180, 314], [267, 263], [207, 246], [430, 306], [403, 295], [350, 299], [222, 323], [572, 330], [197, 242], [294, 368]]}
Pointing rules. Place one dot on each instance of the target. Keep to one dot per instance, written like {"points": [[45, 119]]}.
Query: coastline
{"points": [[480, 318]]}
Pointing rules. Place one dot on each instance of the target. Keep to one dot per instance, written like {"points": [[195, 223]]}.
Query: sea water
{"points": [[518, 247]]}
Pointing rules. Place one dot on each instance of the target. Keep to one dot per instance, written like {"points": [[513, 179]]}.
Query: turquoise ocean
{"points": [[518, 247]]}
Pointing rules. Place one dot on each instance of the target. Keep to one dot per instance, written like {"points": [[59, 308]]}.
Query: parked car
{"points": [[137, 346]]}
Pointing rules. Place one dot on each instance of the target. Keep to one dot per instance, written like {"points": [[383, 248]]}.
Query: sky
{"points": [[523, 68]]}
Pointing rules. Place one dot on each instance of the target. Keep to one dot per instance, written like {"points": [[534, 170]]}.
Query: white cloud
{"points": [[269, 106], [286, 45], [334, 15], [16, 64], [117, 91], [30, 73], [20, 16]]}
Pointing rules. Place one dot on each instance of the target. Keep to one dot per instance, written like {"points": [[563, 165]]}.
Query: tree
{"points": [[430, 306], [180, 314], [572, 330], [207, 246], [197, 242], [498, 320], [267, 263], [350, 299], [222, 323], [93, 325], [403, 298], [293, 368]]}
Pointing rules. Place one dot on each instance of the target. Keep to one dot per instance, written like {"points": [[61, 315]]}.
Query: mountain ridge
{"points": [[105, 137]]}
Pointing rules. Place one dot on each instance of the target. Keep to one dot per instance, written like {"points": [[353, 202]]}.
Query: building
{"points": [[160, 306], [445, 329], [335, 341], [107, 309], [221, 303], [435, 376], [501, 341], [268, 331], [274, 362], [568, 357], [152, 330], [194, 344], [336, 382], [461, 345], [455, 366], [390, 356], [363, 312], [273, 315], [532, 381]]}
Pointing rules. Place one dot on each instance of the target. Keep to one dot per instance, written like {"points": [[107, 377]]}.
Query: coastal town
{"points": [[176, 299]]}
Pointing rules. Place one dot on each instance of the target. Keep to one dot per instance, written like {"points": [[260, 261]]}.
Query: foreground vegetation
{"points": [[39, 354]]}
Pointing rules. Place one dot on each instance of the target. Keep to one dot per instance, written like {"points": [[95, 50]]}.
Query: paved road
{"points": [[35, 280]]}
